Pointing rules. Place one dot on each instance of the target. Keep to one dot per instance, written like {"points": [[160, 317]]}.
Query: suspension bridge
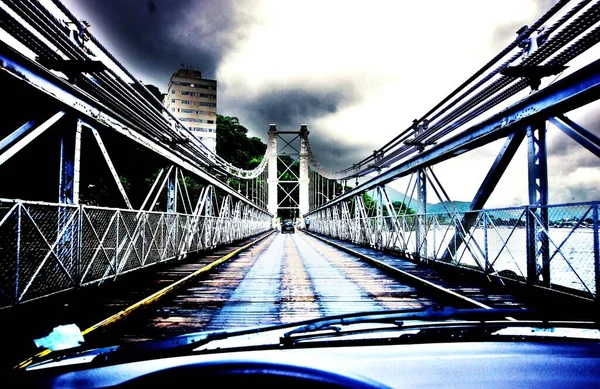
{"points": [[211, 256]]}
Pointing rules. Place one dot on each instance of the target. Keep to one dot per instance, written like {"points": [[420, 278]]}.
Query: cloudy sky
{"points": [[356, 72]]}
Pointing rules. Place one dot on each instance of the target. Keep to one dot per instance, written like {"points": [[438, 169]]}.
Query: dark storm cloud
{"points": [[506, 33], [151, 6], [575, 192], [570, 155], [155, 37], [334, 155], [288, 108]]}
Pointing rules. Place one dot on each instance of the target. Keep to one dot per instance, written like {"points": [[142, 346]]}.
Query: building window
{"points": [[183, 92], [172, 91], [172, 100], [209, 87], [201, 129]]}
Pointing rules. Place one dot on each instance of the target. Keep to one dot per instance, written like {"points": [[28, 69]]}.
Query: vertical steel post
{"points": [[317, 190], [78, 257], [117, 242], [421, 232], [320, 191], [65, 179], [357, 224], [170, 220], [485, 242], [379, 235], [314, 190], [18, 256], [76, 179], [77, 165], [538, 250], [68, 193], [172, 193]]}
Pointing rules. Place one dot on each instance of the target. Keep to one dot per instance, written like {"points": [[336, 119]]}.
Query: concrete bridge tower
{"points": [[292, 180], [272, 179], [303, 180]]}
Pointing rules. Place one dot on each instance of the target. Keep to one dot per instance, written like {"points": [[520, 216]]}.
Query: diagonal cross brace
{"points": [[488, 185]]}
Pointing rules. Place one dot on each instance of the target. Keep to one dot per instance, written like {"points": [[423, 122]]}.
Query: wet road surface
{"points": [[283, 279]]}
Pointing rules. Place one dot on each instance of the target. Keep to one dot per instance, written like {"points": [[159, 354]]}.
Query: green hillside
{"points": [[461, 206]]}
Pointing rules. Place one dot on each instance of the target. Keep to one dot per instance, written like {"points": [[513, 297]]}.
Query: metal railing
{"points": [[556, 246], [47, 248]]}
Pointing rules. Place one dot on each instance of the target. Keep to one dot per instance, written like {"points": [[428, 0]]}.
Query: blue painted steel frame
{"points": [[574, 91], [537, 246], [577, 133], [83, 105], [487, 187], [16, 134]]}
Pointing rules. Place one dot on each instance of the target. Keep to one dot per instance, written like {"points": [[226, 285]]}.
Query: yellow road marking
{"points": [[147, 300]]}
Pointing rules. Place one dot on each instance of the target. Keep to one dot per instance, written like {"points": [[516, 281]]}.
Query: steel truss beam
{"points": [[538, 250], [571, 92], [25, 140], [16, 134], [110, 165], [484, 192], [577, 133], [14, 64]]}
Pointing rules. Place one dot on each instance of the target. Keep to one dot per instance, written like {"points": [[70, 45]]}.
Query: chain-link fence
{"points": [[48, 248], [554, 246]]}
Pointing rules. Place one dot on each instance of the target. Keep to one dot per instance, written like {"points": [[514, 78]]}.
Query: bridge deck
{"points": [[286, 278], [490, 294], [281, 279]]}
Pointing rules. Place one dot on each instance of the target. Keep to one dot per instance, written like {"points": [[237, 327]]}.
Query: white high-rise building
{"points": [[193, 101]]}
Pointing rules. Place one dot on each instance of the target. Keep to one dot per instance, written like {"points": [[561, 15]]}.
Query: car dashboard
{"points": [[530, 364]]}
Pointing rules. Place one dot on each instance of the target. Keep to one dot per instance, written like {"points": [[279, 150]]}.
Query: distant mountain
{"points": [[398, 196], [461, 206]]}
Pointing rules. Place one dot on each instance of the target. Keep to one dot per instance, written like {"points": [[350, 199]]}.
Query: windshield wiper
{"points": [[398, 318], [189, 342], [182, 344]]}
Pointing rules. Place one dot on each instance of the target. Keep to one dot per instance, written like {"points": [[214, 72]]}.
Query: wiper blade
{"points": [[399, 317], [182, 344]]}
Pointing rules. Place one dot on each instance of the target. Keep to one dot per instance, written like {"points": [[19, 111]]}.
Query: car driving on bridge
{"points": [[287, 227]]}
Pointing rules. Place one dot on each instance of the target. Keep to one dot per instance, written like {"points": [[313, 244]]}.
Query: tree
{"points": [[234, 146], [401, 208]]}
